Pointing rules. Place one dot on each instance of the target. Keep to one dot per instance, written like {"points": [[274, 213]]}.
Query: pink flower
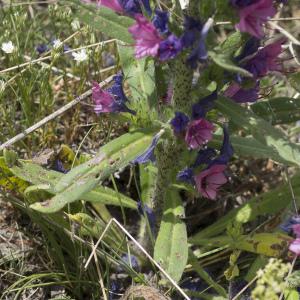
{"points": [[295, 246], [253, 16], [209, 181], [104, 102], [112, 4], [146, 36], [296, 230], [198, 133]]}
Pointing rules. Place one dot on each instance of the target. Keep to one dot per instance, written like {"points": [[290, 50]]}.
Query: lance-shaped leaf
{"points": [[226, 63], [84, 178], [269, 244], [171, 248], [104, 20], [44, 180], [278, 110], [261, 130], [140, 76], [271, 202]]}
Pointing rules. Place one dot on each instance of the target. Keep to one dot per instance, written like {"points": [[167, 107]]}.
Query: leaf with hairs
{"points": [[171, 248]]}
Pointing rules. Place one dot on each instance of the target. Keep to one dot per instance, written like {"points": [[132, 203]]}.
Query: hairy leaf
{"points": [[171, 248]]}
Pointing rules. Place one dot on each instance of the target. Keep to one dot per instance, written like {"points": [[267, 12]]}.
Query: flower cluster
{"points": [[253, 14], [197, 132], [112, 99], [257, 61]]}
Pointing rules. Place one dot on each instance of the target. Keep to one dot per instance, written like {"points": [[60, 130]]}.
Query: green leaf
{"points": [[226, 63], [112, 157], [271, 202], [205, 276], [269, 244], [248, 147], [44, 180], [140, 74], [291, 294], [278, 110], [260, 130], [294, 80], [171, 248], [232, 43], [104, 20]]}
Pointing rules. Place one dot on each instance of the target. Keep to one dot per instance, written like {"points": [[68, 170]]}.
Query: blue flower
{"points": [[204, 156], [169, 47], [117, 89], [192, 30], [132, 7], [201, 108], [251, 46], [242, 3], [186, 175], [130, 260], [287, 224], [179, 122], [226, 151], [148, 155], [145, 210], [42, 48], [160, 21], [241, 95]]}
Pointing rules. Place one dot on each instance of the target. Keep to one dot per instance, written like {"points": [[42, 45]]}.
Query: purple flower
{"points": [[198, 133], [112, 4], [145, 210], [146, 36], [204, 156], [250, 47], [199, 53], [242, 3], [117, 89], [201, 108], [59, 167], [226, 151], [241, 95], [288, 224], [169, 47], [160, 21], [105, 101], [192, 31], [130, 260], [253, 15], [133, 7], [265, 60], [210, 180], [179, 122], [129, 7], [148, 155], [295, 244], [42, 48], [186, 175]]}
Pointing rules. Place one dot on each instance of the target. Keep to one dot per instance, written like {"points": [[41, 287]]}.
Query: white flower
{"points": [[57, 44], [75, 25], [8, 47], [80, 56], [2, 86]]}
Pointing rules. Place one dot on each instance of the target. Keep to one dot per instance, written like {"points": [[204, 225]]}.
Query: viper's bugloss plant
{"points": [[193, 99]]}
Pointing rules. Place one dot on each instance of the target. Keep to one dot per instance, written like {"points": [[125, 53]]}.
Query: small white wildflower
{"points": [[2, 86], [8, 47], [57, 44], [75, 25], [80, 56]]}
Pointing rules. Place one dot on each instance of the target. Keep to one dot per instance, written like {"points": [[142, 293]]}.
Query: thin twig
{"points": [[54, 115], [99, 274], [285, 33], [141, 248], [244, 288]]}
